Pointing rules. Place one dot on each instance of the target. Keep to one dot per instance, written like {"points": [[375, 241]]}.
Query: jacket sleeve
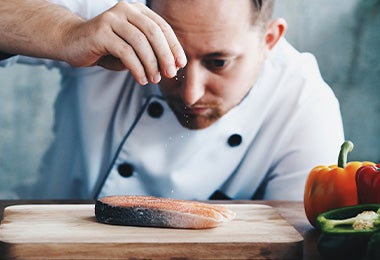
{"points": [[312, 136]]}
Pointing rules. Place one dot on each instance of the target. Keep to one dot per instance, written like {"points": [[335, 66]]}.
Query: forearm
{"points": [[34, 28], [125, 36]]}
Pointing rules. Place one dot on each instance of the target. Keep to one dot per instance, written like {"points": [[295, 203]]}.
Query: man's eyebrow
{"points": [[219, 54]]}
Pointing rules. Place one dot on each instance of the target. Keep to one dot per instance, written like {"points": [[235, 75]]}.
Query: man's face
{"points": [[225, 53]]}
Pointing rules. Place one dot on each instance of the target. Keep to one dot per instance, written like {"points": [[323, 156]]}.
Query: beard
{"points": [[194, 122], [194, 118]]}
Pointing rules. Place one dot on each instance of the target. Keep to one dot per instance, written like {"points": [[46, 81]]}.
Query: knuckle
{"points": [[166, 59], [149, 62], [151, 66], [126, 51], [138, 40], [165, 27], [138, 5], [176, 47], [152, 29], [107, 17], [121, 5]]}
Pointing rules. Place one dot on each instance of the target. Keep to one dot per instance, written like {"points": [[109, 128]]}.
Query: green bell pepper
{"points": [[347, 231], [373, 251]]}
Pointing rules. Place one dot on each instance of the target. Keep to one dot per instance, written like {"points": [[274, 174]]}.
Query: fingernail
{"points": [[172, 71], [157, 78], [182, 61], [143, 81]]}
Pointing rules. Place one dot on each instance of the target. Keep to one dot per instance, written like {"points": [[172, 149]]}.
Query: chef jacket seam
{"points": [[100, 185]]}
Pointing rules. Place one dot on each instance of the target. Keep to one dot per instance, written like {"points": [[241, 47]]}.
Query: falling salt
{"points": [[176, 76]]}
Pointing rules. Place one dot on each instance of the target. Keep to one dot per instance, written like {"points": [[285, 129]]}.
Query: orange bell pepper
{"points": [[331, 187]]}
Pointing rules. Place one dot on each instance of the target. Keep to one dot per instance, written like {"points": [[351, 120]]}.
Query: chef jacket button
{"points": [[234, 140], [125, 169], [155, 110]]}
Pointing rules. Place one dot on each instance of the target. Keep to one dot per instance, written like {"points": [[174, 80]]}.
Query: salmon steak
{"points": [[160, 212]]}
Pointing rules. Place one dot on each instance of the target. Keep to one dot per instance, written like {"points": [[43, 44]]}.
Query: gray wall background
{"points": [[343, 35]]}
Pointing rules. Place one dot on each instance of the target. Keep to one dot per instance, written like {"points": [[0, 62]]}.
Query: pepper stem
{"points": [[346, 147]]}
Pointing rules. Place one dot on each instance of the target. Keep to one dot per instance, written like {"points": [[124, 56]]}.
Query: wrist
{"points": [[68, 40]]}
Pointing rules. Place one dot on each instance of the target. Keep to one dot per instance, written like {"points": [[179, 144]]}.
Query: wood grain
{"points": [[71, 231]]}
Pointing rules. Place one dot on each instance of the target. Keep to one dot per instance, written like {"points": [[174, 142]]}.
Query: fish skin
{"points": [[160, 212]]}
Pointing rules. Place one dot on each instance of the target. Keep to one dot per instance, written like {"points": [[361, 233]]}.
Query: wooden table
{"points": [[293, 212]]}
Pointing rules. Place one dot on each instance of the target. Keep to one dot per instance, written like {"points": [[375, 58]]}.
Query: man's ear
{"points": [[275, 30]]}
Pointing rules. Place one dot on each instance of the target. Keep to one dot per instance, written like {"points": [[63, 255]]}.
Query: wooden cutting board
{"points": [[71, 231]]}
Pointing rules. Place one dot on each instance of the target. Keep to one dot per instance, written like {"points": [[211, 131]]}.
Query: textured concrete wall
{"points": [[343, 35], [345, 38], [26, 115]]}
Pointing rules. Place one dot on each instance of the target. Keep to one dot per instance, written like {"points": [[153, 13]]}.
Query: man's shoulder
{"points": [[293, 75], [287, 63], [286, 56]]}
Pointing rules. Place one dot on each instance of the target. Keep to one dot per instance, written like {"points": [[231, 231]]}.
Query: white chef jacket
{"points": [[115, 137]]}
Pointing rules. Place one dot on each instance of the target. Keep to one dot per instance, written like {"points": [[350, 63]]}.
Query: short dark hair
{"points": [[263, 13], [258, 3]]}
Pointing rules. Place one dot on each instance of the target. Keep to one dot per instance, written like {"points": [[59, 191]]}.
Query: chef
{"points": [[244, 115]]}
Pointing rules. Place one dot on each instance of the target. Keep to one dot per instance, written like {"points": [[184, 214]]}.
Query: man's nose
{"points": [[192, 84]]}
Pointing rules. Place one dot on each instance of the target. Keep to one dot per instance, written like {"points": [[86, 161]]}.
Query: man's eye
{"points": [[216, 64], [219, 63]]}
